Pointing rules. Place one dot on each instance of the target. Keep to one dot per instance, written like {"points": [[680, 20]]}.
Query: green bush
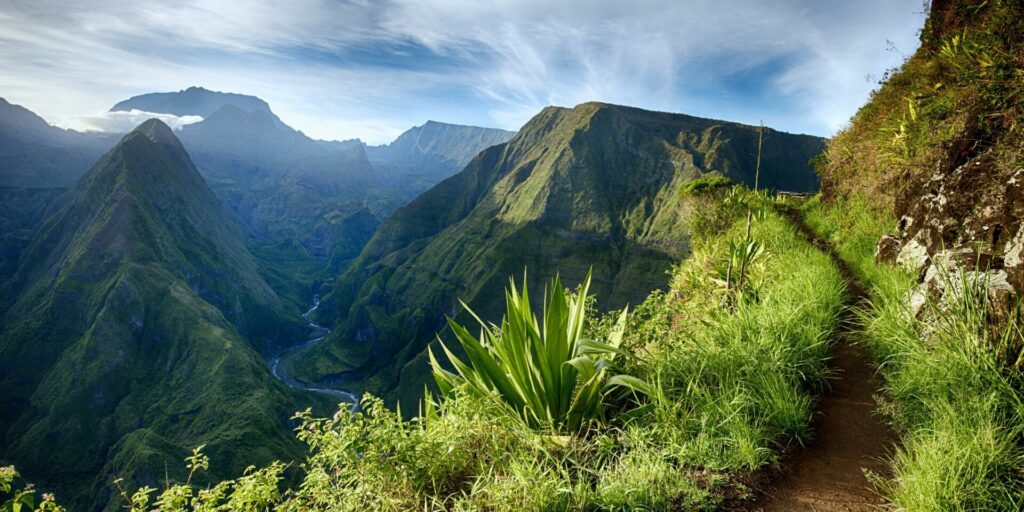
{"points": [[705, 184]]}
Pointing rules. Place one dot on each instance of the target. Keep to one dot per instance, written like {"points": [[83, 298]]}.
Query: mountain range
{"points": [[134, 331], [142, 295], [592, 187], [317, 201]]}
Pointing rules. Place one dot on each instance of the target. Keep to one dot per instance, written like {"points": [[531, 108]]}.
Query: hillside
{"points": [[284, 185], [35, 154], [425, 155], [923, 195], [134, 330], [596, 186]]}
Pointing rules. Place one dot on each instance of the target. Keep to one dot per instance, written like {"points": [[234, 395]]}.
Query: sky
{"points": [[340, 69]]}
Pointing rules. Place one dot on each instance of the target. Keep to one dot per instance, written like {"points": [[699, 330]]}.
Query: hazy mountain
{"points": [[284, 185], [593, 186], [21, 212], [38, 162], [194, 101], [287, 186], [34, 153], [134, 330], [425, 155]]}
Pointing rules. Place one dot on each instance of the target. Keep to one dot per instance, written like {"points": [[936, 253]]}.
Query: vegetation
{"points": [[704, 184], [16, 496], [554, 197], [134, 337], [729, 388], [958, 98], [951, 366], [952, 381], [545, 371]]}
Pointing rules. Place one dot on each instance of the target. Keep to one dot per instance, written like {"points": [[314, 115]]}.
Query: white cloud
{"points": [[324, 65], [122, 122]]}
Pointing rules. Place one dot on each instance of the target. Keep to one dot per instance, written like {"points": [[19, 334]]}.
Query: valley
{"points": [[280, 364], [615, 306]]}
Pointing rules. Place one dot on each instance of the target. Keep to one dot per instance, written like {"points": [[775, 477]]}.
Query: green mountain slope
{"points": [[593, 186], [133, 331]]}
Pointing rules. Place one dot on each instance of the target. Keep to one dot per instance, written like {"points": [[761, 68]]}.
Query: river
{"points": [[281, 370]]}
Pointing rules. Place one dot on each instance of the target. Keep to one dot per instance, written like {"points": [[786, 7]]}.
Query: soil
{"points": [[851, 437]]}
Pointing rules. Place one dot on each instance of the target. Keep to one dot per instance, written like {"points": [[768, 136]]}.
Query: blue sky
{"points": [[340, 69]]}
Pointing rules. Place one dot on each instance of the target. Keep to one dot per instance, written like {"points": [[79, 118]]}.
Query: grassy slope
{"points": [[735, 385], [594, 186], [952, 395], [955, 394], [123, 348]]}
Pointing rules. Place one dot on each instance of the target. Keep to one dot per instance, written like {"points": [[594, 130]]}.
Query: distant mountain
{"points": [[425, 155], [285, 185], [34, 153], [593, 186], [38, 162], [131, 332], [22, 210], [194, 101]]}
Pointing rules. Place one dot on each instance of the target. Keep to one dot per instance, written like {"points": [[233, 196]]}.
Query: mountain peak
{"points": [[157, 131], [194, 101]]}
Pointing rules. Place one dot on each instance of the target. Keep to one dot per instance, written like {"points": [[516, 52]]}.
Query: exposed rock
{"points": [[913, 256], [887, 249], [953, 231], [1013, 257]]}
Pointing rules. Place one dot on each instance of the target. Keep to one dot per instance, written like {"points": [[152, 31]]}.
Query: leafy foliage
{"points": [[728, 389], [544, 370], [15, 496], [704, 184]]}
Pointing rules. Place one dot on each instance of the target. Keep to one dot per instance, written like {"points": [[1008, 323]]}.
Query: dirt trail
{"points": [[850, 436]]}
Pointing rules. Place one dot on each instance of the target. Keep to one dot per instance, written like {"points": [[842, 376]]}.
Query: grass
{"points": [[734, 382], [950, 378]]}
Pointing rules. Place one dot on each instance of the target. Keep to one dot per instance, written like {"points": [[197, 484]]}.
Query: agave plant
{"points": [[545, 370]]}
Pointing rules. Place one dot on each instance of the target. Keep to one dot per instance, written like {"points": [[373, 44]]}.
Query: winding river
{"points": [[281, 370]]}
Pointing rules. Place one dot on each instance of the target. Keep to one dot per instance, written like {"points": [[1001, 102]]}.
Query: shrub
{"points": [[705, 184], [544, 370]]}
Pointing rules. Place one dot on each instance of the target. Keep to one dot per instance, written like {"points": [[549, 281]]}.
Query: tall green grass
{"points": [[733, 380], [951, 378]]}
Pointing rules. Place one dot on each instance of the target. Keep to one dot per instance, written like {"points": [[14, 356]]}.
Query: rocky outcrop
{"points": [[961, 226]]}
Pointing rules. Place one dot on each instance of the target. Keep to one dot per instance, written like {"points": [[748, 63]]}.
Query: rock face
{"points": [[424, 155], [952, 173], [961, 224]]}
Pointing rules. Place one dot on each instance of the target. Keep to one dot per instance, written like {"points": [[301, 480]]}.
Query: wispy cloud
{"points": [[339, 69], [119, 122]]}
